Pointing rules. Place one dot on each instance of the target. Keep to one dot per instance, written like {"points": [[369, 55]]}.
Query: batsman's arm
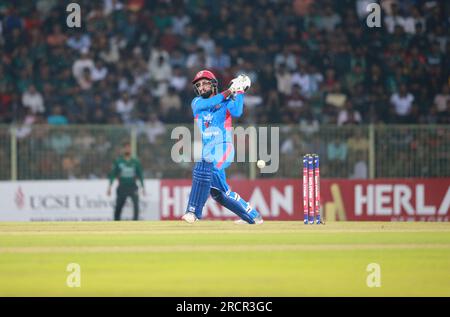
{"points": [[200, 104], [236, 105]]}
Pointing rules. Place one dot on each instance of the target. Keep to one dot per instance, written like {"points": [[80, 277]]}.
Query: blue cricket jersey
{"points": [[213, 117]]}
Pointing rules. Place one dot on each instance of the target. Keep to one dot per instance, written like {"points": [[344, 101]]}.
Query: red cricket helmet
{"points": [[205, 74]]}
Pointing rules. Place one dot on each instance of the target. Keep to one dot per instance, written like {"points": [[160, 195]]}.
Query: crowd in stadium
{"points": [[311, 62]]}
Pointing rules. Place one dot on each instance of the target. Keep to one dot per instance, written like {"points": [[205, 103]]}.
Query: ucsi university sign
{"points": [[68, 200]]}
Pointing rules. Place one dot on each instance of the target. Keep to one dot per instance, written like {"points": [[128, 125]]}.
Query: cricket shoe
{"points": [[258, 221], [189, 217]]}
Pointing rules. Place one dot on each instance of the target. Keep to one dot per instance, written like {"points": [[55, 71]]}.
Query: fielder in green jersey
{"points": [[127, 170]]}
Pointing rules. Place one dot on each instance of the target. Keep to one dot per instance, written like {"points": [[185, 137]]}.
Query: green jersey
{"points": [[127, 172]]}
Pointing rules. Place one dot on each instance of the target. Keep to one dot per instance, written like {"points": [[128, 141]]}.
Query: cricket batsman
{"points": [[128, 171], [212, 113]]}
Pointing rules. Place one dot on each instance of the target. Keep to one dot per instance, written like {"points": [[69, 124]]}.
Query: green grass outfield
{"points": [[224, 259]]}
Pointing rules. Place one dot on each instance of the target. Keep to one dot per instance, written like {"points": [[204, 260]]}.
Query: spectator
{"points": [[170, 106], [98, 116], [154, 128], [57, 38], [85, 81], [267, 78], [402, 103], [109, 50], [308, 123], [160, 73], [178, 80], [169, 41], [286, 58], [253, 101], [60, 142], [411, 23], [179, 22], [248, 49], [420, 38], [290, 144], [329, 20], [442, 99], [270, 42], [84, 140], [348, 115], [70, 164], [99, 71], [440, 38], [109, 6], [284, 80], [33, 100], [434, 57], [161, 18], [315, 79], [206, 43], [337, 150], [220, 60], [197, 59], [84, 62], [393, 18], [188, 42], [141, 78], [330, 82], [295, 102], [231, 40], [177, 59], [358, 143], [26, 125], [336, 97], [125, 107], [79, 42], [360, 170], [355, 77], [301, 79], [358, 147], [155, 56], [57, 117]]}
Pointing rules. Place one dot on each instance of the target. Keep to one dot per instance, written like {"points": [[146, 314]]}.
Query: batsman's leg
{"points": [[223, 195], [201, 183]]}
